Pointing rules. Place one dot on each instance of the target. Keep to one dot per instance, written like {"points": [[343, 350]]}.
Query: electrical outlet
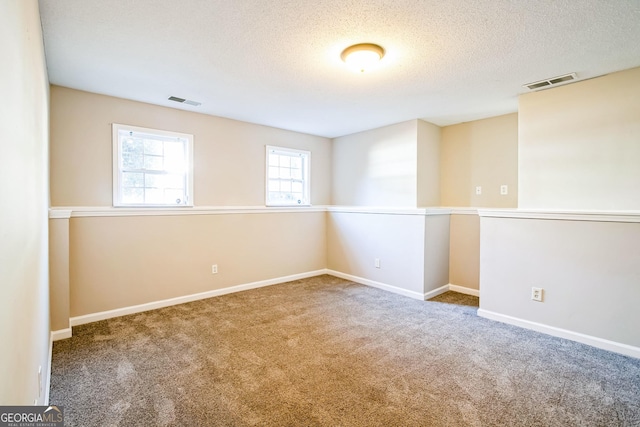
{"points": [[504, 190], [214, 269], [536, 294], [478, 190], [377, 262]]}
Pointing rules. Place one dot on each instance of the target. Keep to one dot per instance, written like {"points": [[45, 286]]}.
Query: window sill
{"points": [[289, 206], [110, 211], [152, 206]]}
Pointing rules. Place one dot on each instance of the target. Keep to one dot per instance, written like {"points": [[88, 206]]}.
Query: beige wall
{"points": [[464, 253], [376, 167], [428, 174], [480, 153], [589, 271], [59, 273], [579, 149], [24, 306], [228, 155], [436, 251], [580, 145], [118, 262]]}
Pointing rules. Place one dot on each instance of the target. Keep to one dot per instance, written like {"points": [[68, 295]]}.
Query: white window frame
{"points": [[306, 175], [117, 164]]}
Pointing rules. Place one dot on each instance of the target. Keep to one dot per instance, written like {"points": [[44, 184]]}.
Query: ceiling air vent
{"points": [[550, 82], [184, 101]]}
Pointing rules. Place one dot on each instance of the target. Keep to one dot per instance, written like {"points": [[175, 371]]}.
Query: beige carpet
{"points": [[328, 352]]}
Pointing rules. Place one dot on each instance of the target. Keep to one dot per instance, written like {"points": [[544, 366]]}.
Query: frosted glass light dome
{"points": [[362, 57]]}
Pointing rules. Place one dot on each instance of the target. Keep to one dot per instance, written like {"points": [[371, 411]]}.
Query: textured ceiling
{"points": [[277, 62]]}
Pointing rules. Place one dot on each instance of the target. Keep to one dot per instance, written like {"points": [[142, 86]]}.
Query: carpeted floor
{"points": [[328, 352]]}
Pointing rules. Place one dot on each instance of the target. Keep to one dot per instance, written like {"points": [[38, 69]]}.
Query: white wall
{"points": [[24, 306], [579, 145], [355, 240], [394, 166], [413, 248], [376, 167], [589, 271]]}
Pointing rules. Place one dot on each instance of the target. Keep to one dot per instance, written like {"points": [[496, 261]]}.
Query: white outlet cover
{"points": [[504, 190], [478, 190], [536, 294]]}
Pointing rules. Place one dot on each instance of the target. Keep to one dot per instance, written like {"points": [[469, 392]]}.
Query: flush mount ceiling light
{"points": [[362, 57]]}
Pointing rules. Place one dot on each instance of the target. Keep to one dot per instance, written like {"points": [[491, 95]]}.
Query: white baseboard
{"points": [[434, 293], [604, 344], [48, 381], [61, 334], [464, 290], [411, 294], [379, 285], [103, 315], [95, 317], [450, 287]]}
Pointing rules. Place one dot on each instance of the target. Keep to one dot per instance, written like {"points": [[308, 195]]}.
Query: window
{"points": [[151, 167], [287, 177]]}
